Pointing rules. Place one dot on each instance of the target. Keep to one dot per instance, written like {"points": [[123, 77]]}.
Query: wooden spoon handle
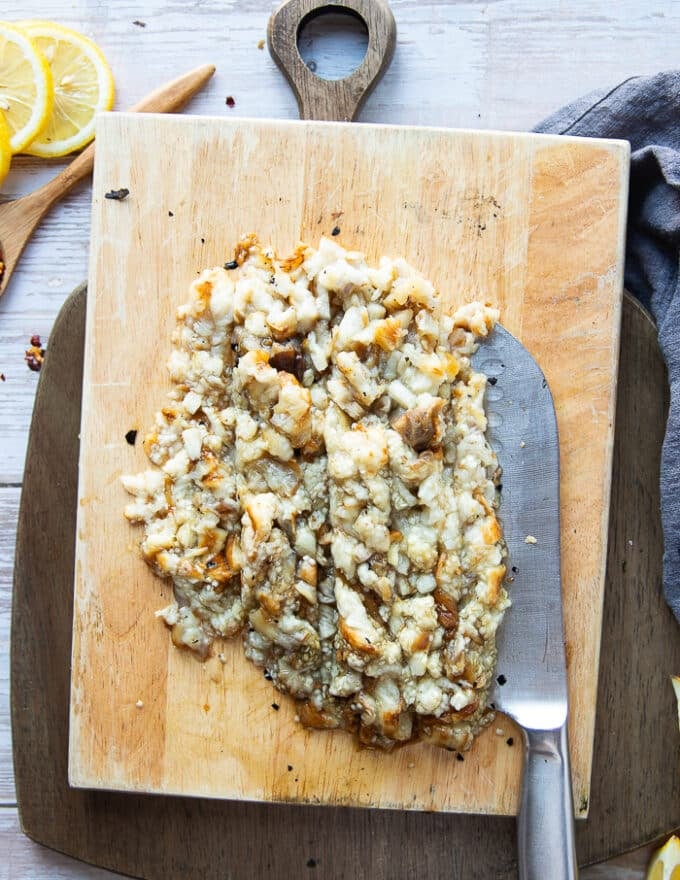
{"points": [[19, 218], [164, 99], [338, 99]]}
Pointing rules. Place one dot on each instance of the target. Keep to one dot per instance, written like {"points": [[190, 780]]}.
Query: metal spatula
{"points": [[532, 684]]}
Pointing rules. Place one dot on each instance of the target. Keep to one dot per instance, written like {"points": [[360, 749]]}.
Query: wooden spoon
{"points": [[19, 218], [332, 99]]}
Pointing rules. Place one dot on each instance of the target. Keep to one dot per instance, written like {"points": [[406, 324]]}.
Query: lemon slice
{"points": [[665, 863], [25, 86], [83, 86], [5, 150]]}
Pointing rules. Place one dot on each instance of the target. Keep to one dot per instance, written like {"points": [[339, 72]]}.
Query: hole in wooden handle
{"points": [[338, 99], [332, 44]]}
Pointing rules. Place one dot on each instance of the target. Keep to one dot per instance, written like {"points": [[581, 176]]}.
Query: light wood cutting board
{"points": [[533, 224]]}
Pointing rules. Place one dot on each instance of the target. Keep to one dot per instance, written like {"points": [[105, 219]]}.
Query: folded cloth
{"points": [[646, 112]]}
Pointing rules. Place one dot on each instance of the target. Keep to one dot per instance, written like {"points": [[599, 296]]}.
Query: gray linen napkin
{"points": [[646, 112]]}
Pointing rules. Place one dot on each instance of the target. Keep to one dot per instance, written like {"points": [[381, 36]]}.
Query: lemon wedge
{"points": [[26, 95], [83, 86], [5, 150], [665, 863]]}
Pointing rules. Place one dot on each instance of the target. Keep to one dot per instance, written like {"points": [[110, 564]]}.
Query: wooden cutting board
{"points": [[533, 224], [635, 777]]}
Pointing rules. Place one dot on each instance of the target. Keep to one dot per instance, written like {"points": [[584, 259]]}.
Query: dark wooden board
{"points": [[636, 775], [338, 99]]}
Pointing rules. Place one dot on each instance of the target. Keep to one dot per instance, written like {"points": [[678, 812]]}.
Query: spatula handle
{"points": [[545, 822], [338, 99]]}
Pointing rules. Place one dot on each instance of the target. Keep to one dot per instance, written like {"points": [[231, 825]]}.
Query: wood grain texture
{"points": [[338, 99], [23, 859], [517, 205], [19, 218], [502, 65], [634, 630], [26, 860], [487, 65], [159, 837], [9, 507]]}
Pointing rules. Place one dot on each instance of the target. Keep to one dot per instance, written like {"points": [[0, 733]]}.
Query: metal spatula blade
{"points": [[531, 685]]}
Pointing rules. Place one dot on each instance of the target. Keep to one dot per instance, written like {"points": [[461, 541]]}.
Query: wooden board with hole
{"points": [[530, 223]]}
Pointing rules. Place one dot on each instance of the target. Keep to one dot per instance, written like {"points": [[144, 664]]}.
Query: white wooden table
{"points": [[463, 63]]}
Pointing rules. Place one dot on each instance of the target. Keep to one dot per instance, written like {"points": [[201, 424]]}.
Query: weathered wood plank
{"points": [[25, 860], [22, 859], [155, 836], [9, 507], [503, 65], [461, 64]]}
